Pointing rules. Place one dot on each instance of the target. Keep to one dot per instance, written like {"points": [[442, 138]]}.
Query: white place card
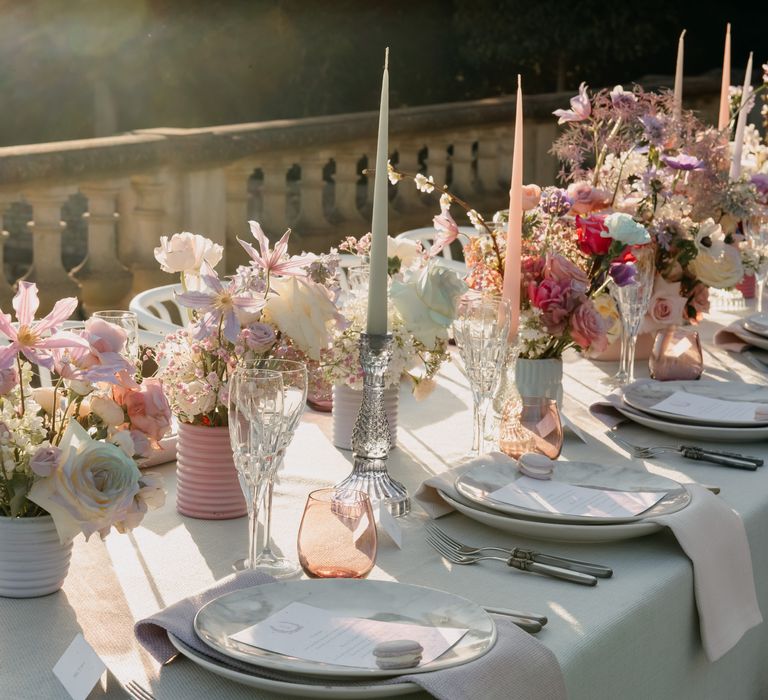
{"points": [[682, 403], [566, 499], [79, 668], [386, 523], [313, 634]]}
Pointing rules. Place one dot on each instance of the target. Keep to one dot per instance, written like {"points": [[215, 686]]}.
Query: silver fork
{"points": [[138, 691], [519, 553], [699, 454], [515, 562]]}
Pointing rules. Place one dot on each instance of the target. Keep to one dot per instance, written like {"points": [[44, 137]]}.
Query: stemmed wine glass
{"points": [[294, 376], [757, 235], [481, 330], [256, 425], [632, 300]]}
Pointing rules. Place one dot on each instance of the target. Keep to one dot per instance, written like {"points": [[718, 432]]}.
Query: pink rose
{"points": [[9, 379], [556, 301], [148, 409], [588, 327], [531, 197], [699, 300], [562, 270], [258, 337], [585, 198], [45, 461], [667, 306]]}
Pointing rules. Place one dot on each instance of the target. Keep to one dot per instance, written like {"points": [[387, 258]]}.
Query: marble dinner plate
{"points": [[479, 483], [376, 600], [644, 394]]}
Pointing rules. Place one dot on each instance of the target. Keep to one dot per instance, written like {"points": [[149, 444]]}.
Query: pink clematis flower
{"points": [[580, 108], [274, 262], [447, 230], [32, 338], [220, 305]]}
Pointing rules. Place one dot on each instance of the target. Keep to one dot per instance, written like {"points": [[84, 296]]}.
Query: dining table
{"points": [[633, 636]]}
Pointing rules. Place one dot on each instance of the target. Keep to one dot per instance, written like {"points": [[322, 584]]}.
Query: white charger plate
{"points": [[757, 324], [328, 689], [479, 483], [706, 433], [551, 532], [645, 393], [377, 600]]}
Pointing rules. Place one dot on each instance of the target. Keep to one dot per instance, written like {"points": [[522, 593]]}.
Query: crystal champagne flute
{"points": [[481, 330]]}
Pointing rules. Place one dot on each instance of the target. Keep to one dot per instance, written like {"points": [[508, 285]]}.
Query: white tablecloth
{"points": [[634, 636]]}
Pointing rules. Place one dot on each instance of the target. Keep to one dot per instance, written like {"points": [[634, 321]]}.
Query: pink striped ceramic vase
{"points": [[207, 485]]}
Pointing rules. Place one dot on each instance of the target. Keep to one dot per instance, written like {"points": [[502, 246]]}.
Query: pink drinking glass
{"points": [[676, 355], [337, 535], [531, 425]]}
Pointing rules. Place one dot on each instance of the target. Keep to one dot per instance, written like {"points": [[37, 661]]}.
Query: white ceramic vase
{"points": [[33, 562], [540, 378], [346, 406]]}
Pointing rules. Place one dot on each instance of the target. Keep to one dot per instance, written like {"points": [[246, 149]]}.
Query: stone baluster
{"points": [[6, 289], [312, 222], [504, 155], [204, 201], [149, 220], [487, 162], [544, 167], [463, 181], [105, 281], [409, 199], [237, 213], [345, 188], [437, 160], [47, 269], [273, 192]]}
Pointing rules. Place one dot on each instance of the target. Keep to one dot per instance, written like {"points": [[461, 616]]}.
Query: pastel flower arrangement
{"points": [[422, 305], [626, 151], [277, 306], [71, 449], [566, 264]]}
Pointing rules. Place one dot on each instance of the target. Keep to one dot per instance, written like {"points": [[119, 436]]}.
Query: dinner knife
{"points": [[697, 454], [722, 453]]}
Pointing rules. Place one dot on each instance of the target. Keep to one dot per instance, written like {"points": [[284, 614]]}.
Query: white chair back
{"points": [[157, 309]]}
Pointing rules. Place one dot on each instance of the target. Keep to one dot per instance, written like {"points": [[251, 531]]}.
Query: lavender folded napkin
{"points": [[518, 667], [734, 338], [712, 535]]}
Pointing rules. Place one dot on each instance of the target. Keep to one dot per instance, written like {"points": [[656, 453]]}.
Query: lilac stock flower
{"points": [[683, 162], [622, 273], [554, 201], [760, 181], [580, 108], [654, 128]]}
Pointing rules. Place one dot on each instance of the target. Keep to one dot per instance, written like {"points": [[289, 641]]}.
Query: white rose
{"points": [[719, 266], [427, 302], [302, 310], [92, 488], [185, 252], [108, 410], [43, 397], [196, 398], [123, 439], [406, 249]]}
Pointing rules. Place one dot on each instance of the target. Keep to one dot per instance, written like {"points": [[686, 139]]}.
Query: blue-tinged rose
{"points": [[427, 302], [623, 228]]}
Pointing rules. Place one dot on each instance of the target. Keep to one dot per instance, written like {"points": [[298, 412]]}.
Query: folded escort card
{"points": [[566, 499], [313, 634], [688, 405]]}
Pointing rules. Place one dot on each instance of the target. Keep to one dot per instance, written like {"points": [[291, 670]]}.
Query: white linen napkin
{"points": [[733, 338], [712, 535]]}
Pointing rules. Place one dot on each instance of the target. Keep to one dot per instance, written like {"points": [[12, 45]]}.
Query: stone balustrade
{"points": [[305, 174]]}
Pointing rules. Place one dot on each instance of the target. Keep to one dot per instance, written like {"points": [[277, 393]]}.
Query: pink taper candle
{"points": [[725, 100], [511, 288]]}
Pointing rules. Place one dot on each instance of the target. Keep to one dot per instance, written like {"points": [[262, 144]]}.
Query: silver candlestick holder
{"points": [[371, 435]]}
